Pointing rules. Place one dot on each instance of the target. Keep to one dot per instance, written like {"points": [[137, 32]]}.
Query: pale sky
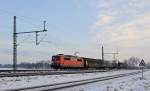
{"points": [[76, 25]]}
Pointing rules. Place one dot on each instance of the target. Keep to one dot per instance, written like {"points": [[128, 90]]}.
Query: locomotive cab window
{"points": [[66, 58], [55, 58], [79, 60]]}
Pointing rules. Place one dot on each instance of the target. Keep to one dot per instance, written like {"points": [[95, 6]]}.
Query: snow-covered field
{"points": [[20, 82], [129, 83]]}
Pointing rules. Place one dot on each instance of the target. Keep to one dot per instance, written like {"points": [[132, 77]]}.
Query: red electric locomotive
{"points": [[67, 61]]}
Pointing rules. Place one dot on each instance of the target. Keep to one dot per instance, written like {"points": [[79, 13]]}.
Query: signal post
{"points": [[142, 64]]}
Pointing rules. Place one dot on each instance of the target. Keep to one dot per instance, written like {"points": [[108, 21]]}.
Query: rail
{"points": [[45, 72], [63, 85]]}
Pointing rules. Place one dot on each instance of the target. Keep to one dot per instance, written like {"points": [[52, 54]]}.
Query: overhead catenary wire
{"points": [[42, 38], [25, 19], [56, 46], [22, 17], [28, 20], [23, 40]]}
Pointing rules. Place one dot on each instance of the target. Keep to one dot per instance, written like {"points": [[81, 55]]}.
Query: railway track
{"points": [[63, 85], [44, 72], [28, 70]]}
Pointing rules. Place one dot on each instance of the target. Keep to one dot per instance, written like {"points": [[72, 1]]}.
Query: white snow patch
{"points": [[20, 82], [128, 83]]}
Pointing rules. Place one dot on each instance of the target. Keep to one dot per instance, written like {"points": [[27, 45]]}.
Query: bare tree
{"points": [[132, 61]]}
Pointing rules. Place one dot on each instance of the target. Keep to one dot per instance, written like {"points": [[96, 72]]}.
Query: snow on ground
{"points": [[129, 83], [20, 82]]}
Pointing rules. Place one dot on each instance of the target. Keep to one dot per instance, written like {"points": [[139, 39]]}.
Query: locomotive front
{"points": [[56, 61]]}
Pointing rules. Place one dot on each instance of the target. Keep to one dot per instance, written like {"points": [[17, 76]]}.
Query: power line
{"points": [[55, 44], [42, 38], [21, 17], [23, 40], [13, 12], [26, 19]]}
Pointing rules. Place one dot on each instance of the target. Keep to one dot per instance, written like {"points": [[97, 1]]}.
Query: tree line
{"points": [[27, 65]]}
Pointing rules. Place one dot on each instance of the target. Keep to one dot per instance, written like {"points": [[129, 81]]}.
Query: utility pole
{"points": [[102, 54], [14, 45], [15, 33]]}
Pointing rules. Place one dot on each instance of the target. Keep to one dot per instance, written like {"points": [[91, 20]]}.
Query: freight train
{"points": [[61, 61]]}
